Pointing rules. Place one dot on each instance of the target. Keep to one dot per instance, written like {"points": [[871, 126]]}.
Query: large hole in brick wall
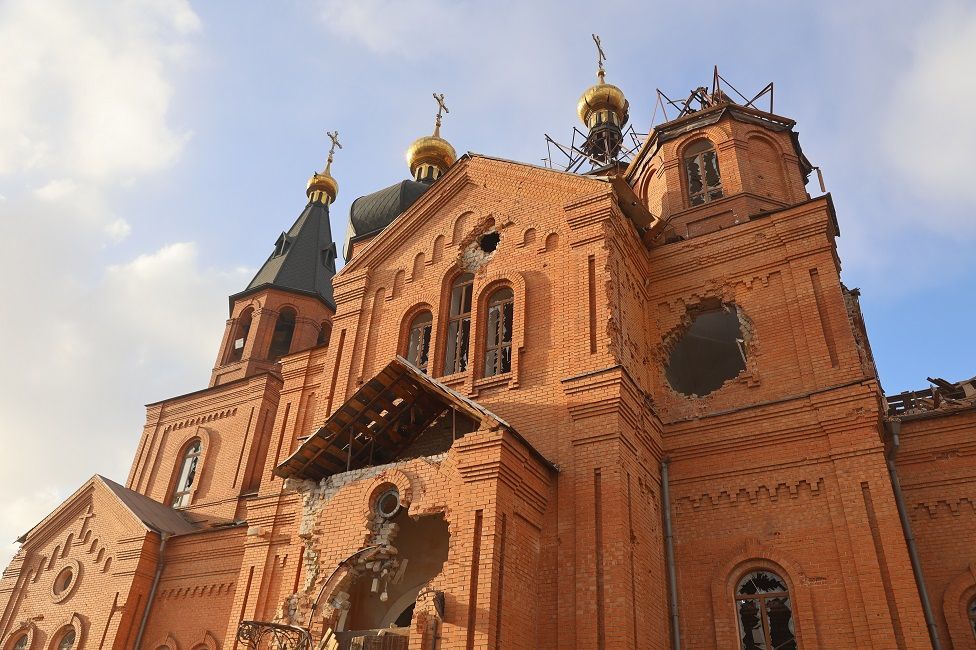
{"points": [[422, 544], [707, 353]]}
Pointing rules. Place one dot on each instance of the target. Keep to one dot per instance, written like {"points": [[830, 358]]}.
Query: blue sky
{"points": [[151, 152]]}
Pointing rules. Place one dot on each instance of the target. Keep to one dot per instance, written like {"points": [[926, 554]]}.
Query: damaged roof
{"points": [[151, 513], [381, 420]]}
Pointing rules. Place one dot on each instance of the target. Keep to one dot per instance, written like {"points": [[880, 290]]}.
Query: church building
{"points": [[625, 404]]}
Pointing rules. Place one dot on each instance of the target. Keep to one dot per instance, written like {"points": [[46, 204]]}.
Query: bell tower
{"points": [[288, 305]]}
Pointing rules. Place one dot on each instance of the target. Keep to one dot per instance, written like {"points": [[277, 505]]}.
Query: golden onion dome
{"points": [[432, 150], [603, 97], [322, 187]]}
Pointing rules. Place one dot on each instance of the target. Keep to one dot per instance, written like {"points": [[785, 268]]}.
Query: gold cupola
{"points": [[431, 155], [322, 187], [604, 110]]}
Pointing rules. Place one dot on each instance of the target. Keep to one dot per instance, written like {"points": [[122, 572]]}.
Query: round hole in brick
{"points": [[489, 242]]}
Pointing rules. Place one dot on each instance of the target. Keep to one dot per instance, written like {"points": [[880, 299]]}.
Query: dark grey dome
{"points": [[377, 210]]}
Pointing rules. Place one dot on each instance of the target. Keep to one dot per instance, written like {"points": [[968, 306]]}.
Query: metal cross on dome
{"points": [[441, 107], [600, 57], [334, 136]]}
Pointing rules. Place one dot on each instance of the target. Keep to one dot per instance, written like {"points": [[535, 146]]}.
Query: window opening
{"points": [[283, 331], [708, 353], [188, 472], [388, 503], [240, 336], [418, 343], [489, 242], [704, 179], [972, 615], [21, 643], [67, 641], [63, 581], [325, 333], [764, 613], [459, 325], [498, 342]]}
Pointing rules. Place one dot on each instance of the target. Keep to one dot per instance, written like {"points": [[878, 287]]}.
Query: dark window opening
{"points": [[403, 620], [489, 242], [188, 472], [765, 613], [241, 331], [21, 643], [707, 354], [459, 325], [283, 332], [281, 245], [972, 615], [418, 341], [704, 179], [498, 333], [325, 333]]}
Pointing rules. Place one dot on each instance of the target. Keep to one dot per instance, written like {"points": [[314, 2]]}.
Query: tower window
{"points": [[459, 325], [283, 332], [764, 612], [704, 179], [418, 342], [325, 333], [498, 333], [188, 472], [241, 330]]}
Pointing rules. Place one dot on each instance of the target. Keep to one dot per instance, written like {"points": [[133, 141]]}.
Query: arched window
{"points": [[972, 615], [418, 342], [459, 325], [704, 180], [765, 617], [20, 643], [240, 335], [498, 333], [325, 333], [283, 331], [67, 640], [188, 472]]}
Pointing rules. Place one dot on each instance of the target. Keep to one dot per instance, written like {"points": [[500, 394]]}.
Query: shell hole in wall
{"points": [[708, 352], [489, 242]]}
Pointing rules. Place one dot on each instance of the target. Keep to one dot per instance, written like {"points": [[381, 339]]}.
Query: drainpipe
{"points": [[669, 554], [152, 590], [894, 429]]}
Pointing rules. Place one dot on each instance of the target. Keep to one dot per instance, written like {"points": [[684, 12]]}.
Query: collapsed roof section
{"points": [[382, 420]]}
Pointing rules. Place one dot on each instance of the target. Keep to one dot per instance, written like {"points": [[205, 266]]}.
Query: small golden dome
{"points": [[603, 97], [322, 185], [431, 150]]}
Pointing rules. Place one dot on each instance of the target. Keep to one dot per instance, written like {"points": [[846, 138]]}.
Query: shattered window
{"points": [[704, 180], [21, 643], [764, 613], [241, 331], [188, 471], [459, 325], [67, 641], [708, 353], [498, 343], [972, 615], [418, 344]]}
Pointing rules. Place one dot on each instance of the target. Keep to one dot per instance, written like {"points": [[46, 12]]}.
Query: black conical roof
{"points": [[303, 260]]}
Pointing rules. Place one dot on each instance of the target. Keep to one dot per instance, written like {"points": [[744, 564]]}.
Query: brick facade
{"points": [[541, 524]]}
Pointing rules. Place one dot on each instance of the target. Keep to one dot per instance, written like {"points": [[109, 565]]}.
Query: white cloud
{"points": [[56, 190], [929, 132], [84, 88], [118, 230]]}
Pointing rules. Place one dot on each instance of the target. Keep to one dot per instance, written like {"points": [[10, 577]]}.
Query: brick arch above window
{"points": [[28, 629], [956, 600], [182, 440], [405, 341], [484, 287], [753, 556]]}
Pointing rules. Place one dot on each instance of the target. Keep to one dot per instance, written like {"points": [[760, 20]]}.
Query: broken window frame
{"points": [[499, 326], [459, 324], [418, 340], [762, 601], [697, 156], [183, 489]]}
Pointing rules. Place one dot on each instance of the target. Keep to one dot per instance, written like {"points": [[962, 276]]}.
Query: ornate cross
{"points": [[334, 136], [600, 58], [441, 107]]}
